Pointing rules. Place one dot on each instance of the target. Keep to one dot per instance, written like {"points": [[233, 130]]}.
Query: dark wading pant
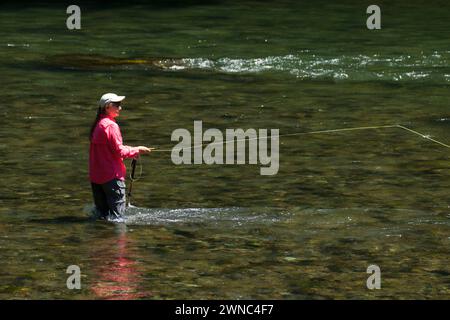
{"points": [[109, 199]]}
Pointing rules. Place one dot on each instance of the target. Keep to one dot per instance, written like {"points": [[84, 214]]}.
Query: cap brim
{"points": [[117, 99]]}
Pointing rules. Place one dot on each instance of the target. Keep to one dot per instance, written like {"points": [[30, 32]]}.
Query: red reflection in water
{"points": [[119, 278]]}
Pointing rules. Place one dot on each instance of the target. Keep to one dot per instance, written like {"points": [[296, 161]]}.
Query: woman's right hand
{"points": [[143, 149]]}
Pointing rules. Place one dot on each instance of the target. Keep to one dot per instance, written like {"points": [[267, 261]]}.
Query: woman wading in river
{"points": [[106, 168]]}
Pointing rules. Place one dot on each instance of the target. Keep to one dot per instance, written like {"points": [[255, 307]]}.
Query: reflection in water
{"points": [[117, 276]]}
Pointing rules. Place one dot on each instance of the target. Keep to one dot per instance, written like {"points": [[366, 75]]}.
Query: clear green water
{"points": [[339, 203]]}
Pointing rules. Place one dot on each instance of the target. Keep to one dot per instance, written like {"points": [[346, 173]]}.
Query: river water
{"points": [[340, 202]]}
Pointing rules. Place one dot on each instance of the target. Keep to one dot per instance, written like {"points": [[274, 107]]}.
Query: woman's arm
{"points": [[116, 144]]}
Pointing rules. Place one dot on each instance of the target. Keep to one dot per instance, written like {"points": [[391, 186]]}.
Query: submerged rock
{"points": [[96, 61]]}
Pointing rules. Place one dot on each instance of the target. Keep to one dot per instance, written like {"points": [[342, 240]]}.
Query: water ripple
{"points": [[306, 65]]}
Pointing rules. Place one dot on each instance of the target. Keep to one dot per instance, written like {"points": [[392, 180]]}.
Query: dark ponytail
{"points": [[100, 112]]}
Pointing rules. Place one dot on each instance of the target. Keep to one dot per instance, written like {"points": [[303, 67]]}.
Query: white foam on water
{"points": [[306, 65], [307, 217], [236, 216]]}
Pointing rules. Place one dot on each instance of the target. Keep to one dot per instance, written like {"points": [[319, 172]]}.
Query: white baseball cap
{"points": [[109, 97]]}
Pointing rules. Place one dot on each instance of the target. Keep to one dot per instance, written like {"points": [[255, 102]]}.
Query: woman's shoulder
{"points": [[107, 122], [105, 129]]}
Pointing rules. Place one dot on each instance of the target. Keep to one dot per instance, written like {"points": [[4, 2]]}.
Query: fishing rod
{"points": [[134, 161], [132, 178], [314, 132]]}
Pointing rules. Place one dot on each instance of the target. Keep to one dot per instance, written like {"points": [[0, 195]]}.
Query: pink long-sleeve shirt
{"points": [[106, 152]]}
